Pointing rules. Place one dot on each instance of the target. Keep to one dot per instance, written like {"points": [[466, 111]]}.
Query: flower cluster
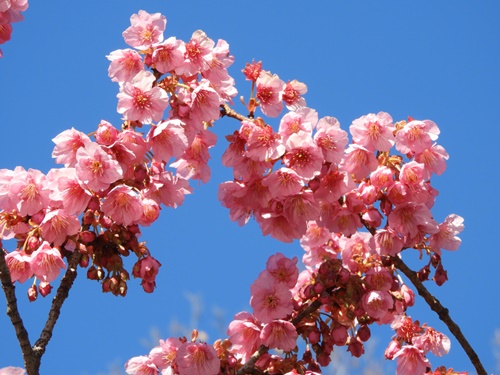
{"points": [[354, 207], [10, 12], [117, 182]]}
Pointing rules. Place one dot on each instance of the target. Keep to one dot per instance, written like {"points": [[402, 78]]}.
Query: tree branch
{"points": [[55, 310], [226, 110], [12, 311], [442, 312]]}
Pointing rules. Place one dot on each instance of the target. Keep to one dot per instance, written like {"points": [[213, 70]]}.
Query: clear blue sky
{"points": [[427, 59]]}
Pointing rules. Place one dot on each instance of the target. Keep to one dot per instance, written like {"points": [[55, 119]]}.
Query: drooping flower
{"points": [[279, 334], [57, 225], [447, 238], [411, 361], [46, 262], [197, 359], [19, 266], [123, 205], [244, 334], [141, 365]]}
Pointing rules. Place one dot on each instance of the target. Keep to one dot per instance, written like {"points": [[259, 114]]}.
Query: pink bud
{"points": [[408, 295], [441, 275], [392, 349]]}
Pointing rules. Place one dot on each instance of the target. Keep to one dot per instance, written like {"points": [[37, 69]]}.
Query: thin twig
{"points": [[226, 110]]}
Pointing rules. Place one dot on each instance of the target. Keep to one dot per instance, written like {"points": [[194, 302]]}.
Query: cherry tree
{"points": [[357, 201]]}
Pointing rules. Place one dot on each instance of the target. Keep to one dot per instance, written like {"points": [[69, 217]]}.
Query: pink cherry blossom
{"points": [[145, 29], [357, 250], [57, 225], [410, 218], [106, 133], [125, 64], [315, 236], [373, 131], [379, 278], [411, 173], [46, 262], [168, 189], [197, 359], [29, 191], [163, 356], [270, 300], [279, 334], [303, 156], [244, 334], [333, 185], [387, 242], [382, 177], [168, 55], [377, 303], [433, 159], [304, 119], [283, 269], [447, 238], [123, 205], [359, 161], [141, 365], [95, 168], [150, 212], [205, 104], [416, 136], [411, 361], [168, 139], [331, 139], [138, 100], [269, 92], [65, 188], [10, 370], [262, 143], [198, 54], [292, 95], [67, 145], [19, 266], [301, 208], [283, 182], [435, 342]]}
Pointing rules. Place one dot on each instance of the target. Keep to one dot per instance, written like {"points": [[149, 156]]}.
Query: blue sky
{"points": [[427, 59]]}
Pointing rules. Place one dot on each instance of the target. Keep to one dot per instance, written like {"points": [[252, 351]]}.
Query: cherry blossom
{"points": [[138, 100]]}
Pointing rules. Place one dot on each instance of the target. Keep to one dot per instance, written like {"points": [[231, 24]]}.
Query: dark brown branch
{"points": [[12, 311], [55, 310], [442, 312]]}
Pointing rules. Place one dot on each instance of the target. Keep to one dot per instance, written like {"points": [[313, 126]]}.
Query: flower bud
{"points": [[44, 288], [32, 293], [363, 333]]}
